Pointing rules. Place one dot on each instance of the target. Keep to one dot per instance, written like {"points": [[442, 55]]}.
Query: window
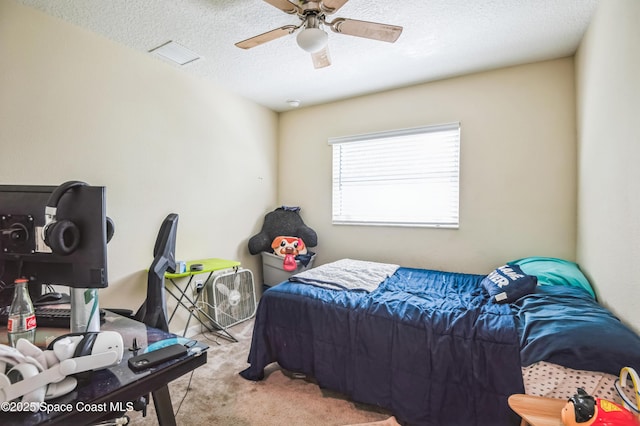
{"points": [[404, 177]]}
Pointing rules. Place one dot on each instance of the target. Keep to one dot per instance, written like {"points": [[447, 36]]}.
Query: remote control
{"points": [[151, 359]]}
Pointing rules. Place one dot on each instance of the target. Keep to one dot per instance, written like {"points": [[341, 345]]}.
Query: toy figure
{"points": [[583, 409], [289, 248]]}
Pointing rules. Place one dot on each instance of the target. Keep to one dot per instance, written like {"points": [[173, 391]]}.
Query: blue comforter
{"points": [[426, 345]]}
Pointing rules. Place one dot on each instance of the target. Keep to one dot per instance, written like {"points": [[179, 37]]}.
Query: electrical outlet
{"points": [[199, 284]]}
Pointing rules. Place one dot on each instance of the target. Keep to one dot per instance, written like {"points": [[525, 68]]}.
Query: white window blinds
{"points": [[404, 177]]}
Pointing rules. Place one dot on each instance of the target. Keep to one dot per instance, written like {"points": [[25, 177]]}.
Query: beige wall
{"points": [[608, 87], [518, 168], [76, 106]]}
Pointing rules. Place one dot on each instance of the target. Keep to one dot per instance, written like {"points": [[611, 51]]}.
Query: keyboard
{"points": [[51, 317]]}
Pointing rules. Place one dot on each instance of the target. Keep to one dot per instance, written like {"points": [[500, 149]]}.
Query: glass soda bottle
{"points": [[21, 323]]}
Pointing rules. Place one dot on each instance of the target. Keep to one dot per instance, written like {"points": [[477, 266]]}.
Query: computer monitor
{"points": [[79, 259]]}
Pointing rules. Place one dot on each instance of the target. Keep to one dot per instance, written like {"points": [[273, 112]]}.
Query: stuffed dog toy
{"points": [[289, 248], [283, 246]]}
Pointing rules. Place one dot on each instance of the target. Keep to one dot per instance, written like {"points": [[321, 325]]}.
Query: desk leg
{"points": [[194, 304], [164, 409], [181, 296]]}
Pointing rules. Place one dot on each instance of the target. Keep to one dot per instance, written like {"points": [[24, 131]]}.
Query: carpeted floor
{"points": [[215, 394]]}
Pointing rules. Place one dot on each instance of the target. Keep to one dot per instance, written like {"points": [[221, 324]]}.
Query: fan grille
{"points": [[231, 298]]}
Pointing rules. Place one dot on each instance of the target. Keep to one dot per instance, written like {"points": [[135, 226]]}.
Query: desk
{"points": [[537, 410], [209, 266], [114, 387]]}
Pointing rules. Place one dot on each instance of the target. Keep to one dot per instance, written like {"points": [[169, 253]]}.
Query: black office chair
{"points": [[153, 311]]}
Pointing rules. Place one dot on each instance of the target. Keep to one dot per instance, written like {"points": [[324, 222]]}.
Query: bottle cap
{"points": [[21, 280]]}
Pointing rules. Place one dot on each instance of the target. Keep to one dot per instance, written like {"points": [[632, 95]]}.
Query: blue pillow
{"points": [[508, 283], [553, 271]]}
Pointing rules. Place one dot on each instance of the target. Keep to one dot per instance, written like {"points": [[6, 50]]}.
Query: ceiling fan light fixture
{"points": [[312, 40]]}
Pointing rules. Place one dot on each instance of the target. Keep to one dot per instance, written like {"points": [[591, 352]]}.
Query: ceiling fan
{"points": [[312, 38]]}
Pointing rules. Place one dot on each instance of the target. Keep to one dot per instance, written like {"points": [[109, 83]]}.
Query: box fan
{"points": [[231, 297]]}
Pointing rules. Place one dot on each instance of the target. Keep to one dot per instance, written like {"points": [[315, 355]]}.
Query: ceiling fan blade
{"points": [[331, 6], [265, 37], [321, 58], [285, 6], [372, 30]]}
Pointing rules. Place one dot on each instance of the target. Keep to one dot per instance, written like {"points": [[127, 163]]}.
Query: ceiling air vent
{"points": [[175, 52]]}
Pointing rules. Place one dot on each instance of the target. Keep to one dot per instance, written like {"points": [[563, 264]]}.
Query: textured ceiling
{"points": [[441, 38]]}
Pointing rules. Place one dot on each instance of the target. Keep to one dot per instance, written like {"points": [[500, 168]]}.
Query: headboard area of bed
{"points": [[561, 321]]}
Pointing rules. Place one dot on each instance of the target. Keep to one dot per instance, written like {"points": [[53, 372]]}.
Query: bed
{"points": [[435, 347]]}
